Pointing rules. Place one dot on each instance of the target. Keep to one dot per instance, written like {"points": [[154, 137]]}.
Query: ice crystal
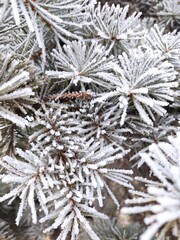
{"points": [[31, 179], [86, 87], [112, 25], [14, 78], [143, 80], [57, 129], [168, 44], [169, 12], [87, 68], [70, 183], [162, 198]]}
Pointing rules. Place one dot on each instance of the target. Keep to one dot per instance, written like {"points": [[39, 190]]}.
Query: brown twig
{"points": [[70, 96]]}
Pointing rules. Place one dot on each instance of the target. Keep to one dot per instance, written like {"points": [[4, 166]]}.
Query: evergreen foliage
{"points": [[6, 232], [163, 196], [86, 87], [111, 229]]}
